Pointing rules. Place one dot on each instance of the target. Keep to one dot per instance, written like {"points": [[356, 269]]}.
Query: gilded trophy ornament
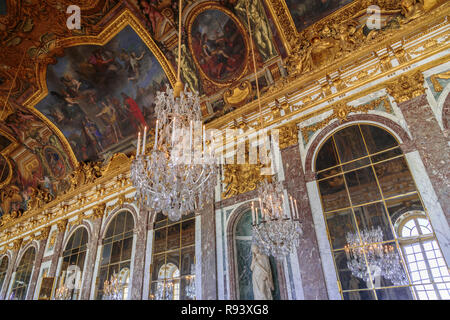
{"points": [[406, 87]]}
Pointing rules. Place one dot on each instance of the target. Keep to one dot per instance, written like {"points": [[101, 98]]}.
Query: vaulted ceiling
{"points": [[74, 95]]}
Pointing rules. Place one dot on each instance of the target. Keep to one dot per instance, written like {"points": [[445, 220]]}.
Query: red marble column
{"points": [[139, 258], [36, 270], [56, 254], [93, 244], [208, 247], [432, 145], [310, 263]]}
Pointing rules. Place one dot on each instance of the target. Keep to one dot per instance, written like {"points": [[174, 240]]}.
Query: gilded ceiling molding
{"points": [[16, 244], [98, 211], [406, 87]]}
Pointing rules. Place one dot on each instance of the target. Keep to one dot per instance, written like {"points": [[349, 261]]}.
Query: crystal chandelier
{"points": [[164, 291], [178, 175], [379, 257], [190, 287], [276, 233], [62, 293], [113, 289]]}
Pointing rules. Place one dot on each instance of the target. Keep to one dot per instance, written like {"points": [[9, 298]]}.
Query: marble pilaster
{"points": [[432, 146], [313, 281], [90, 259], [208, 257], [36, 269], [139, 259]]}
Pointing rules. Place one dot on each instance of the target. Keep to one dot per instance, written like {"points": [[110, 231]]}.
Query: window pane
{"points": [[173, 237], [398, 206], [373, 216], [187, 261], [188, 232], [127, 248], [327, 156], [158, 261], [339, 223], [359, 295], [400, 293], [345, 276], [159, 239], [334, 194], [362, 186], [350, 144], [394, 177], [106, 254], [115, 252], [377, 139], [329, 173], [386, 155]]}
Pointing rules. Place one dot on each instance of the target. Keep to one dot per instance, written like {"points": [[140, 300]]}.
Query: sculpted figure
{"points": [[260, 26], [261, 275], [411, 9]]}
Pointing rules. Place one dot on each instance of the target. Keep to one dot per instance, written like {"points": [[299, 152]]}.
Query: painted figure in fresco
{"points": [[218, 44], [19, 124], [92, 133], [260, 26], [132, 64], [261, 275], [151, 12], [110, 118], [135, 113]]}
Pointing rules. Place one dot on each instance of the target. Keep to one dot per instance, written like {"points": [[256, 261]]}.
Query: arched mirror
{"points": [[23, 275], [115, 259], [365, 183]]}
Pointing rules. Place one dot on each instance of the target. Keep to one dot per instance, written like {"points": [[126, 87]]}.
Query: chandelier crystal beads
{"points": [[381, 258], [276, 233], [175, 177]]}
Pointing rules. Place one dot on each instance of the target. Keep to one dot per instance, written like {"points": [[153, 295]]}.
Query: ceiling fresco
{"points": [[305, 12], [101, 96]]}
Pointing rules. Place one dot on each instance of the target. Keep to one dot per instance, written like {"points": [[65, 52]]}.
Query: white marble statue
{"points": [[261, 275]]}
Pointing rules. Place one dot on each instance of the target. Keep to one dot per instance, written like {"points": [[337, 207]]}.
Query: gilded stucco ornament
{"points": [[240, 178], [341, 35], [288, 136], [406, 87]]}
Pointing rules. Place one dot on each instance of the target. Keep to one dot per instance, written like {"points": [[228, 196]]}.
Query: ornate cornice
{"points": [[341, 110], [383, 54]]}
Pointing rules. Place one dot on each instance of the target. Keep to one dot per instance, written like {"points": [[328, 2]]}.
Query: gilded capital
{"points": [[62, 225], [406, 87], [17, 244], [288, 136], [98, 211]]}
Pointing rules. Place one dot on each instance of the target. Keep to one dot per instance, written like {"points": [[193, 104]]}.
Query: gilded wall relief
{"points": [[101, 96]]}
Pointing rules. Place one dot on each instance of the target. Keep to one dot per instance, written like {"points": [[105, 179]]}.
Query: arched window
{"points": [[3, 268], [173, 259], [364, 182], [116, 253], [23, 275], [74, 256], [423, 256]]}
